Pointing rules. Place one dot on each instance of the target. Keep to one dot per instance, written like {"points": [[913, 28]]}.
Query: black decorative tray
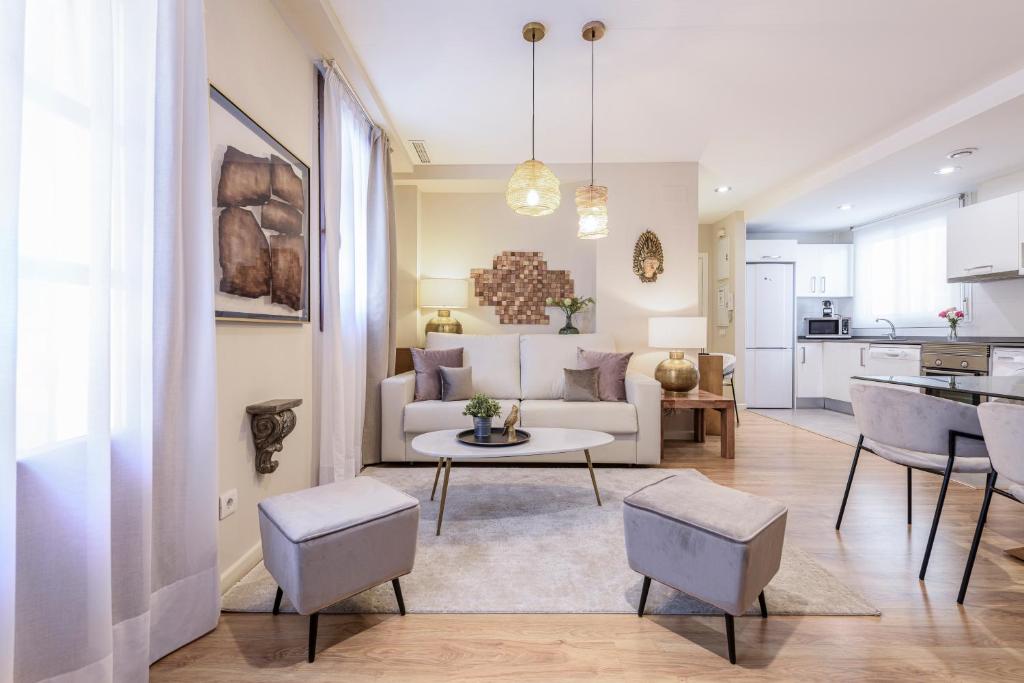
{"points": [[497, 438]]}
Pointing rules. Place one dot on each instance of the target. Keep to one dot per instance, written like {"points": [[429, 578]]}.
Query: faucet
{"points": [[892, 328]]}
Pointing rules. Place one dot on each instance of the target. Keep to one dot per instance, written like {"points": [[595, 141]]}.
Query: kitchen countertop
{"points": [[917, 341]]}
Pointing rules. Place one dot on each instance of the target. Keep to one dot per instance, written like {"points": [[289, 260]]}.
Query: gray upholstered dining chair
{"points": [[729, 379], [1003, 427], [921, 433]]}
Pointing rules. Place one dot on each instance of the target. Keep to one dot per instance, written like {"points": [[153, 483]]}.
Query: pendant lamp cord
{"points": [[533, 95]]}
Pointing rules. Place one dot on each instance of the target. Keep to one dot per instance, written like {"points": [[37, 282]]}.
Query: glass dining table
{"points": [[1011, 387], [970, 387]]}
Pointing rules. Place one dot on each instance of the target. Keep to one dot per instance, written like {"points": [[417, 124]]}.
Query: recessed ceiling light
{"points": [[722, 189], [961, 153], [845, 207], [946, 170]]}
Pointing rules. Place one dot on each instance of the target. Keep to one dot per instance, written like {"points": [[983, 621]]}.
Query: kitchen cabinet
{"points": [[769, 378], [983, 240], [809, 370], [771, 251], [840, 362], [824, 270]]}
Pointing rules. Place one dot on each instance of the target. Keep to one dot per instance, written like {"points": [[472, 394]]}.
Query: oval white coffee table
{"points": [[543, 441]]}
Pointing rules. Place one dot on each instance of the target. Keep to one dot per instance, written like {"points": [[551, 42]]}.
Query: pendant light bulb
{"points": [[592, 200], [533, 189]]}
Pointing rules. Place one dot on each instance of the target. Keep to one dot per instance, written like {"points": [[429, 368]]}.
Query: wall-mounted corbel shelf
{"points": [[271, 422]]}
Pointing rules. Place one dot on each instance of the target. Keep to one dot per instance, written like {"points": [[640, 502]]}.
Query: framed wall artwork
{"points": [[260, 220]]}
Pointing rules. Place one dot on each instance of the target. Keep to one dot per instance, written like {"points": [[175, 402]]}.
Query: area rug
{"points": [[533, 540]]}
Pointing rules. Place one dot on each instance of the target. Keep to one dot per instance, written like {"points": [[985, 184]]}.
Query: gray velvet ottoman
{"points": [[328, 543], [717, 544]]}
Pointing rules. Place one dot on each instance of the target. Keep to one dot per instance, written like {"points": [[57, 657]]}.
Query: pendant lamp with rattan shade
{"points": [[592, 200], [533, 188]]}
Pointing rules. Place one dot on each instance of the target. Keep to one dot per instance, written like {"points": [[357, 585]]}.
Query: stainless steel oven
{"points": [[964, 360]]}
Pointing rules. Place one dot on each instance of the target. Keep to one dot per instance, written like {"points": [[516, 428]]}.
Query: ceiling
{"points": [[763, 93]]}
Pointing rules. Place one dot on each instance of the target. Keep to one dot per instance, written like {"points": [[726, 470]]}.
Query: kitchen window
{"points": [[900, 270]]}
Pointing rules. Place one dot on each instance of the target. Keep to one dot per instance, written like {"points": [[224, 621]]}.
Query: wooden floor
{"points": [[922, 632]]}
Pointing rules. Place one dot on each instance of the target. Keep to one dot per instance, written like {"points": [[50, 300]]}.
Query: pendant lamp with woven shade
{"points": [[592, 200], [533, 189]]}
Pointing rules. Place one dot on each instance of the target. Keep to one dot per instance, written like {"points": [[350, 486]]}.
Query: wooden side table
{"points": [[698, 401]]}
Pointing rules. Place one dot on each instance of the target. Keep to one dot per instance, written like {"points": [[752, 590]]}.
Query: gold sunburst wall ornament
{"points": [[648, 257], [533, 188]]}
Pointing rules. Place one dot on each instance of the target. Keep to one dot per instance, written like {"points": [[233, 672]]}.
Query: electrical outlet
{"points": [[228, 503]]}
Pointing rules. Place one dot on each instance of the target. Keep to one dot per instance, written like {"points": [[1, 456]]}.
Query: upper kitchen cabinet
{"points": [[983, 241], [771, 251], [824, 270]]}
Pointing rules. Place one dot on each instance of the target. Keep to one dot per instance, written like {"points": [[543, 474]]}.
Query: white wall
{"points": [[256, 61], [407, 229], [461, 230]]}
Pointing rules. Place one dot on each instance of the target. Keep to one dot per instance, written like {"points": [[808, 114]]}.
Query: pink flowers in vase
{"points": [[952, 316]]}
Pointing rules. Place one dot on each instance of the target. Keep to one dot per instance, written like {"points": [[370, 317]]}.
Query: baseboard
{"points": [[799, 402], [838, 406], [242, 566]]}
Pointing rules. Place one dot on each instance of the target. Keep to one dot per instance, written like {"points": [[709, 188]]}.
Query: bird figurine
{"points": [[510, 423]]}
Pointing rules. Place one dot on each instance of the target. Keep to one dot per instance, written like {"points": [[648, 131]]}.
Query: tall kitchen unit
{"points": [[771, 332]]}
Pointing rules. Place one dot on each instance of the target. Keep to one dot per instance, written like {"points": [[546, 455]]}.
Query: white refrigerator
{"points": [[770, 333]]}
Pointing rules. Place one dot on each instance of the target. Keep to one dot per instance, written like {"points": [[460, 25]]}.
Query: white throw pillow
{"points": [[544, 356], [493, 357]]}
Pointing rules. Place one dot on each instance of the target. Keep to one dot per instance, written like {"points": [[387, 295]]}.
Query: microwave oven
{"points": [[828, 328]]}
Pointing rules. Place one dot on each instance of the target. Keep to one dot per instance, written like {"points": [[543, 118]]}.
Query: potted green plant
{"points": [[483, 409], [570, 305]]}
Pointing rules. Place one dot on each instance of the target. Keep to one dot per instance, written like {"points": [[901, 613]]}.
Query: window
{"points": [[900, 270]]}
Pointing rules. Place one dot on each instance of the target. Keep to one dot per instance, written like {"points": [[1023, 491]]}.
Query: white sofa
{"points": [[527, 370]]}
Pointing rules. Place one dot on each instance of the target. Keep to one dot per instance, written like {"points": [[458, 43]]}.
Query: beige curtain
{"points": [[381, 292]]}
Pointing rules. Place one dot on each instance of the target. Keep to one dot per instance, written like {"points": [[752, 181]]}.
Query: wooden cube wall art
{"points": [[517, 285]]}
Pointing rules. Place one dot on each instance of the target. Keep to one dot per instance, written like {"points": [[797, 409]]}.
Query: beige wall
{"points": [[407, 230], [460, 230], [727, 339], [261, 67]]}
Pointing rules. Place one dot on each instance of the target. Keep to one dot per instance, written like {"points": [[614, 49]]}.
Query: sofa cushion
{"points": [[431, 416], [611, 378], [456, 383], [604, 416], [581, 385], [493, 357], [544, 356], [426, 364]]}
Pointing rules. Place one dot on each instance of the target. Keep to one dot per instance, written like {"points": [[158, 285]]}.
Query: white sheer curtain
{"points": [[900, 270], [113, 388], [344, 169]]}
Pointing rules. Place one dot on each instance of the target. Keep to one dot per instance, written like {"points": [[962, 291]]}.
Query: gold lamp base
{"points": [[676, 373], [444, 322]]}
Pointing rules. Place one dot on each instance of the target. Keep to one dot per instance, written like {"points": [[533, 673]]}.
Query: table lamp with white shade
{"points": [[444, 294], [677, 333]]}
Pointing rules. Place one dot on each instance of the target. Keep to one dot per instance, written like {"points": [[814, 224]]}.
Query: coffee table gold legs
{"points": [[444, 492], [593, 479], [437, 473]]}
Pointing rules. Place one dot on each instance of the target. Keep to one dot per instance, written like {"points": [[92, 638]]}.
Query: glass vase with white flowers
{"points": [[570, 305]]}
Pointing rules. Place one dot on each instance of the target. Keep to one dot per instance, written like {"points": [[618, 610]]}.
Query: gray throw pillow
{"points": [[581, 385], [426, 362], [456, 383], [611, 376]]}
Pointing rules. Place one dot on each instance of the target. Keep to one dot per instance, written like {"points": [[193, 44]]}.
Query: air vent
{"points": [[421, 151]]}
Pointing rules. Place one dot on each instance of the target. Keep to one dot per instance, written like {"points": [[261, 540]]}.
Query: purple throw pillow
{"points": [[427, 363], [611, 375]]}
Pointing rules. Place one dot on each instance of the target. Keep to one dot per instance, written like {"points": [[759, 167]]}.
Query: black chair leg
{"points": [[643, 596], [849, 482], [764, 605], [277, 600], [398, 595], [735, 405], [990, 484], [730, 635], [935, 519], [910, 518], [314, 618]]}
